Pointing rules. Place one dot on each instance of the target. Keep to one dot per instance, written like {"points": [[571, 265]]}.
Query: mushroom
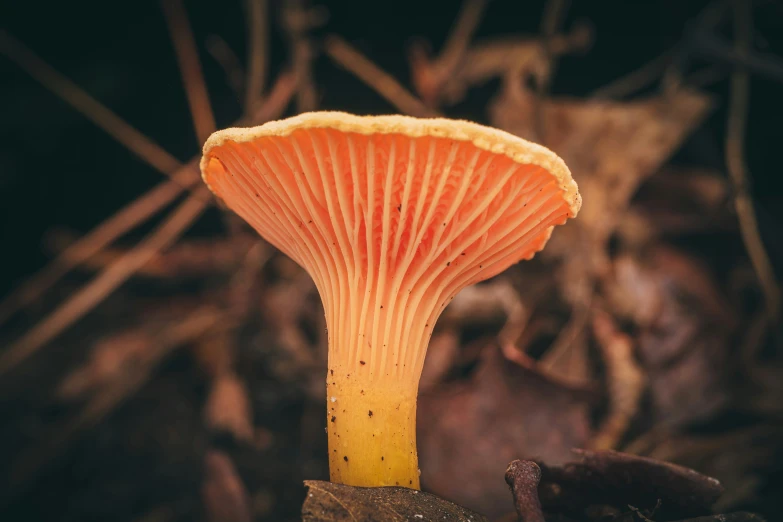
{"points": [[391, 216]]}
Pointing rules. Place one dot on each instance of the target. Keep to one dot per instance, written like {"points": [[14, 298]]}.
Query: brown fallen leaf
{"points": [[685, 326], [617, 479], [467, 430], [588, 134], [329, 502]]}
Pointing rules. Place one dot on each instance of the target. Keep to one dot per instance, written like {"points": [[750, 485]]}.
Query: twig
{"points": [[134, 213], [429, 77], [96, 112], [186, 259], [706, 76], [101, 286], [523, 477], [636, 80], [297, 20], [735, 135], [257, 30], [708, 19], [383, 83], [461, 34], [190, 68], [191, 327], [276, 101], [554, 15], [104, 234], [228, 61]]}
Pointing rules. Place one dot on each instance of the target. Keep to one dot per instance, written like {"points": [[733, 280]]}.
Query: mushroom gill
{"points": [[391, 216]]}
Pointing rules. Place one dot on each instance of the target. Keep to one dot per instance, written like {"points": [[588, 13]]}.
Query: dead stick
{"points": [[257, 57], [461, 34], [383, 83], [228, 61], [636, 80], [735, 136], [107, 281], [190, 68], [134, 213], [96, 112], [104, 234]]}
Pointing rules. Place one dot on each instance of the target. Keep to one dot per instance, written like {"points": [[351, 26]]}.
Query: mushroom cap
{"points": [[304, 184], [378, 206], [391, 216]]}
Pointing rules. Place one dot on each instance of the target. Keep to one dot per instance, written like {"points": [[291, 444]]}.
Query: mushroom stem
{"points": [[372, 433]]}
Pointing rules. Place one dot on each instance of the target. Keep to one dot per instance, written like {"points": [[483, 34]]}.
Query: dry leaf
{"points": [[328, 502], [467, 431], [619, 479]]}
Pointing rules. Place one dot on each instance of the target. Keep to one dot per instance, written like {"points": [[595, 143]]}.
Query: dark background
{"points": [[57, 168]]}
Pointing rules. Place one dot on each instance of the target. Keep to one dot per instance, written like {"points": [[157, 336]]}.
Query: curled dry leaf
{"points": [[329, 502], [467, 430], [587, 135], [229, 409], [626, 381], [223, 493], [619, 479]]}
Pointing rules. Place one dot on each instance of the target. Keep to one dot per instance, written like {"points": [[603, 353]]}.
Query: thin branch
{"points": [[228, 61], [383, 83], [554, 15], [257, 30], [297, 21], [190, 68], [107, 281], [635, 80], [735, 137], [96, 112], [104, 234], [461, 34], [276, 101], [134, 213]]}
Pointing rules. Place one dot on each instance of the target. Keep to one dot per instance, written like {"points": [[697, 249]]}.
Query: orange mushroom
{"points": [[391, 216]]}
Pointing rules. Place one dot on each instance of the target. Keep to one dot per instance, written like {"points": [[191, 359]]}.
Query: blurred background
{"points": [[161, 363]]}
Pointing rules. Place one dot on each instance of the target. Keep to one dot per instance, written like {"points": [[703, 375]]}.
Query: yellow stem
{"points": [[372, 431]]}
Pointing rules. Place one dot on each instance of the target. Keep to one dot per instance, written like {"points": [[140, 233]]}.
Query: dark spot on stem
{"points": [[370, 414], [381, 455], [334, 418], [345, 459], [362, 363]]}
